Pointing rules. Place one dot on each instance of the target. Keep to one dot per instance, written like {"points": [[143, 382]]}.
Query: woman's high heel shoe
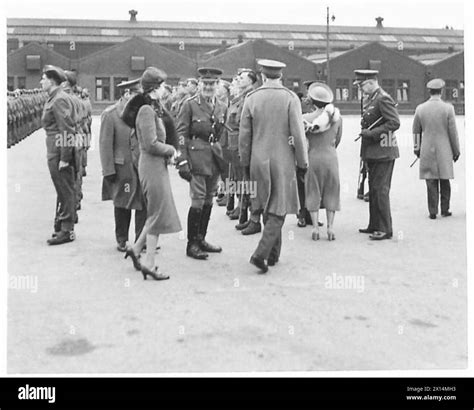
{"points": [[136, 263], [331, 235], [315, 234], [155, 274]]}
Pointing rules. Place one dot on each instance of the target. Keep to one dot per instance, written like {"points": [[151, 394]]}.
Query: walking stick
{"points": [[414, 162]]}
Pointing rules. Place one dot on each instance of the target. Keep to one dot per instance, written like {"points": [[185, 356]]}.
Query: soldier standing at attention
{"points": [[379, 149], [437, 146], [69, 87], [271, 141], [58, 122], [200, 125], [119, 156]]}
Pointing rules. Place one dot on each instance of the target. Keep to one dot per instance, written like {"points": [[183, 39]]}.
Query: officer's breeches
{"points": [[380, 178], [203, 189], [270, 243], [64, 183]]}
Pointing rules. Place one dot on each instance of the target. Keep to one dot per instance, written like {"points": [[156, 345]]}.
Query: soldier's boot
{"points": [[206, 215], [193, 248], [243, 217], [230, 203]]}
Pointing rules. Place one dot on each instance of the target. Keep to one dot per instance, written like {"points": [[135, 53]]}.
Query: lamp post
{"points": [[328, 78]]}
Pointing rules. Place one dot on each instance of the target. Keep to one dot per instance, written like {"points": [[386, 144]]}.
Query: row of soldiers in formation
{"points": [[24, 111]]}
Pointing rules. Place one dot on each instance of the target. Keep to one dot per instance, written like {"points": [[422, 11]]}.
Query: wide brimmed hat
{"points": [[320, 92]]}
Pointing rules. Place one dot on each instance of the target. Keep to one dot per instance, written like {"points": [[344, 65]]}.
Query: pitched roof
{"points": [[213, 33], [434, 58]]}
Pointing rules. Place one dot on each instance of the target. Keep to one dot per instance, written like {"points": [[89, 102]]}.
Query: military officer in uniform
{"points": [[437, 146], [271, 141], [379, 149], [59, 123], [119, 155], [200, 125], [69, 87]]}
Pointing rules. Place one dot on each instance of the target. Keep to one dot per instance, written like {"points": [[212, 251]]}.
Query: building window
{"points": [[356, 93], [33, 62], [109, 32], [452, 91], [137, 63], [21, 83], [461, 90], [10, 30], [342, 89], [431, 39], [253, 34], [160, 33], [403, 90], [389, 86], [59, 31], [345, 37], [102, 89], [206, 34], [388, 38], [10, 83], [117, 81], [300, 36], [317, 37]]}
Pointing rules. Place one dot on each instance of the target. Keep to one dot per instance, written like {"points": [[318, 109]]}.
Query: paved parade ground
{"points": [[351, 304]]}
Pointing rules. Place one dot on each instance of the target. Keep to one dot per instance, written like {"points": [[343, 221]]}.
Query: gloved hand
{"points": [[111, 178], [183, 169], [456, 157], [366, 134], [300, 173]]}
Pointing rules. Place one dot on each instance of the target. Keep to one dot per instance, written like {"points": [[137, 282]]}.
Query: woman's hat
{"points": [[151, 78], [320, 92]]}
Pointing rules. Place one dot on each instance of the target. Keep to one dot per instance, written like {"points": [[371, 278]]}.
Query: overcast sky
{"points": [[401, 13]]}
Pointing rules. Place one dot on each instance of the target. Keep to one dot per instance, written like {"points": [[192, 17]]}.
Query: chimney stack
{"points": [[379, 22], [133, 16]]}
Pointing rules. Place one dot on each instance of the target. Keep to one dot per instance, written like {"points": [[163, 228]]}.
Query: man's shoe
{"points": [[447, 213], [62, 237], [366, 197], [233, 215], [366, 230], [259, 263], [272, 260], [193, 250], [221, 200], [432, 216], [243, 225], [252, 228], [378, 236], [122, 246]]}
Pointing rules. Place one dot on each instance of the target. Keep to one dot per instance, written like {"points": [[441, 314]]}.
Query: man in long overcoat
{"points": [[119, 158], [437, 146], [271, 141]]}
